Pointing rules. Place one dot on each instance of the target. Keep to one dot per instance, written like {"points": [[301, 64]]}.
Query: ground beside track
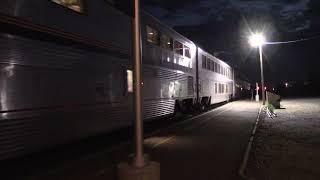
{"points": [[288, 146]]}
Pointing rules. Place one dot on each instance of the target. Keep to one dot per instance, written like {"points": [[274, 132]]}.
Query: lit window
{"points": [[130, 80], [187, 51], [152, 35], [166, 42], [178, 47], [76, 5]]}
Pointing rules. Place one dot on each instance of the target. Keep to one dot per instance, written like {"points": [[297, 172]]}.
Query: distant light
{"points": [[273, 89], [169, 43], [256, 40], [241, 89], [168, 59], [265, 88], [151, 33], [286, 84]]}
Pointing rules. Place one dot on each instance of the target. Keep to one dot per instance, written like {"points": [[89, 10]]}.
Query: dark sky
{"points": [[222, 26]]}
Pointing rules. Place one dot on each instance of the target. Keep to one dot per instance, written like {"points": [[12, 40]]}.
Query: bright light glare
{"points": [[256, 40]]}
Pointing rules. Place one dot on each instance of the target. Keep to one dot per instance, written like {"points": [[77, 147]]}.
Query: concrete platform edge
{"points": [[243, 165]]}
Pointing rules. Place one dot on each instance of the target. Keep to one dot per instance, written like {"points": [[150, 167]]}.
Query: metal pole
{"points": [[197, 76], [262, 77], [138, 159]]}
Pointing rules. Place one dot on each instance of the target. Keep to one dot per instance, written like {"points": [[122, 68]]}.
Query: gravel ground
{"points": [[288, 146]]}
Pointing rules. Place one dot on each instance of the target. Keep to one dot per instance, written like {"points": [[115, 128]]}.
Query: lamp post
{"points": [[138, 168], [258, 40]]}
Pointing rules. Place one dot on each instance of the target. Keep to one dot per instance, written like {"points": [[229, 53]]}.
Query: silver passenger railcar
{"points": [[215, 79], [66, 72], [169, 69]]}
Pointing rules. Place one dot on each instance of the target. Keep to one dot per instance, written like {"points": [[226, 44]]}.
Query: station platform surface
{"points": [[207, 146]]}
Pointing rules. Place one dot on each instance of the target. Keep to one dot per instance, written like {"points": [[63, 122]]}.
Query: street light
{"points": [[258, 40]]}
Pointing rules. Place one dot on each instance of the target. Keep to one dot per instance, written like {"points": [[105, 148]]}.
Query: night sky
{"points": [[222, 27]]}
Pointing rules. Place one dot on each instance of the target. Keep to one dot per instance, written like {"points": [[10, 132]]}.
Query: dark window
{"points": [[187, 51], [208, 63], [75, 5], [218, 68], [212, 66], [166, 42], [216, 88], [178, 47], [204, 62], [215, 67], [227, 88], [152, 35]]}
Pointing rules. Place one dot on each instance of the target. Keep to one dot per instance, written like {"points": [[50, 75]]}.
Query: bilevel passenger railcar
{"points": [[169, 69], [215, 79], [66, 72]]}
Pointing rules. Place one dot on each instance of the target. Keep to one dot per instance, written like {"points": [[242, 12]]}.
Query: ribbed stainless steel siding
{"points": [[158, 108], [34, 130], [51, 94]]}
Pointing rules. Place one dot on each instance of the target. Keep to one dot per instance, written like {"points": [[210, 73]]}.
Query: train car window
{"points": [[223, 88], [212, 66], [166, 42], [204, 62], [187, 51], [178, 47], [218, 68], [130, 80], [208, 63], [152, 35], [75, 5], [227, 88], [216, 88]]}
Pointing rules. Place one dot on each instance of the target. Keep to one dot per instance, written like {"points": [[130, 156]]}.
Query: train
{"points": [[67, 72]]}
